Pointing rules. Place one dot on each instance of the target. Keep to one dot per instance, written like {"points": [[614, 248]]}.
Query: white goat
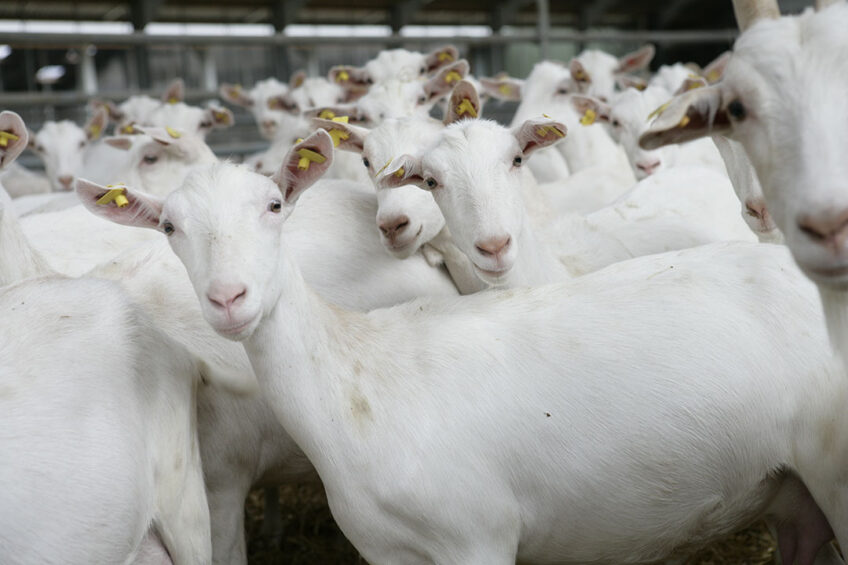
{"points": [[595, 71], [791, 131], [627, 117], [354, 389], [67, 150], [480, 195], [334, 239], [270, 120], [389, 64], [108, 401]]}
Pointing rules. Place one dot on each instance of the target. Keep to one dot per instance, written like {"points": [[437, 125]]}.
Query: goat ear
{"points": [[630, 81], [637, 60], [354, 80], [175, 92], [441, 57], [580, 75], [162, 136], [351, 111], [441, 84], [118, 142], [114, 113], [97, 124], [297, 79], [464, 103], [235, 94], [539, 133], [220, 117], [119, 204], [304, 164], [403, 171], [691, 83], [692, 115], [503, 88], [13, 137], [345, 136], [591, 109], [715, 70]]}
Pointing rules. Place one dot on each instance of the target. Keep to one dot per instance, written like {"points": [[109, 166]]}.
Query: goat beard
{"points": [[835, 305]]}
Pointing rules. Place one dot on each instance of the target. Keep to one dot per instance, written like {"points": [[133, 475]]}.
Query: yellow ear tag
{"points": [[466, 106], [341, 120], [544, 130], [338, 135], [5, 136], [173, 100], [684, 121], [173, 133], [383, 168], [326, 115], [308, 156], [641, 86], [342, 76], [399, 173], [589, 117], [693, 85], [116, 195], [129, 129], [504, 89], [452, 76], [220, 116], [659, 110], [298, 140], [581, 76], [713, 75], [94, 130], [445, 56]]}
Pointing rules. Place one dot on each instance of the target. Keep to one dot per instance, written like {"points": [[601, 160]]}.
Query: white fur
{"points": [[98, 419]]}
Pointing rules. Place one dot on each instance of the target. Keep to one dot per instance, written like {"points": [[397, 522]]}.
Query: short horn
{"points": [[749, 12]]}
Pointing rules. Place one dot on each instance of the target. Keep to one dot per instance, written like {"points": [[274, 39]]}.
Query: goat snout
{"points": [[494, 246], [66, 181], [828, 229], [393, 227], [225, 296], [269, 124], [648, 167]]}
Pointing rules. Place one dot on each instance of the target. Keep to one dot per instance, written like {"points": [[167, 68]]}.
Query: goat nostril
{"points": [[402, 225], [483, 251], [214, 302], [753, 212], [239, 296]]}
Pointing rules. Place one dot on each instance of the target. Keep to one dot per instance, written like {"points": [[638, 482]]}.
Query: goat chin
{"points": [[835, 305]]}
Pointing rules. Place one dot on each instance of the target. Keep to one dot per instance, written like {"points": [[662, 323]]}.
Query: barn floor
{"points": [[310, 536]]}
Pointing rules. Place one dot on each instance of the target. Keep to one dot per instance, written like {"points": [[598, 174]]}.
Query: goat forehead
{"points": [[221, 191]]}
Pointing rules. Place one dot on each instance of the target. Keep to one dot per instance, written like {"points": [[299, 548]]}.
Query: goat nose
{"points": [[648, 167], [269, 124], [755, 208], [224, 296], [392, 227], [827, 229], [66, 180], [493, 246]]}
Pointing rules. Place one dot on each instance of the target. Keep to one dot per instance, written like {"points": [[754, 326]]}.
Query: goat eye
{"points": [[82, 144], [422, 99], [517, 161], [431, 182], [369, 80], [275, 206], [616, 123], [168, 228], [366, 162], [562, 91], [204, 125], [737, 109], [423, 70], [150, 159]]}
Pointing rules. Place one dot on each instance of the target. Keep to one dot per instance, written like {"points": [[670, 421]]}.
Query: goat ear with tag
{"points": [[464, 103], [120, 204], [538, 133], [13, 137], [304, 164], [691, 115]]}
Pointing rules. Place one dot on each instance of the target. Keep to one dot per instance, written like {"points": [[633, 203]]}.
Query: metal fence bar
{"points": [[23, 39]]}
